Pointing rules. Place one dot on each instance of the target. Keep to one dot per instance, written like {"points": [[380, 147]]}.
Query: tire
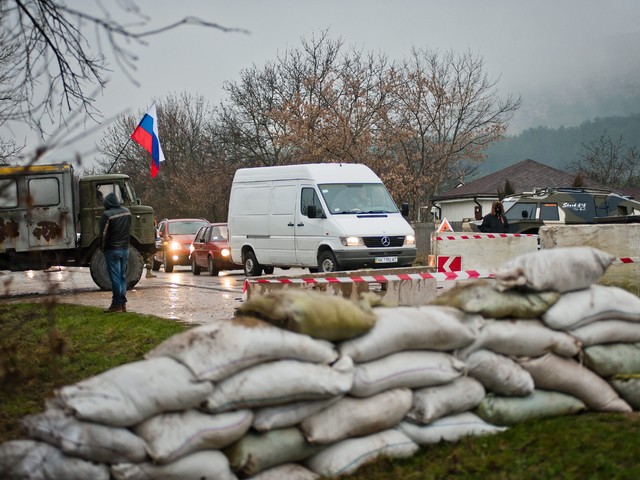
{"points": [[168, 266], [213, 271], [195, 269], [268, 270], [313, 269], [100, 275], [327, 262], [251, 266]]}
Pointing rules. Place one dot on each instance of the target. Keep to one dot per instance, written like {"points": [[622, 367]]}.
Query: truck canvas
{"points": [[325, 217]]}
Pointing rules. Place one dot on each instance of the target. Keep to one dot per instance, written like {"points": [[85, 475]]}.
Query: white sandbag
{"points": [[31, 460], [282, 416], [131, 393], [522, 338], [170, 436], [612, 359], [449, 429], [355, 417], [216, 351], [607, 331], [411, 369], [499, 410], [499, 374], [557, 269], [598, 302], [288, 471], [628, 387], [482, 297], [429, 327], [91, 441], [255, 453], [346, 456], [431, 403], [559, 374], [281, 382], [202, 465]]}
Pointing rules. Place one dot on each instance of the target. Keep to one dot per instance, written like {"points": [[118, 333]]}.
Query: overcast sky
{"points": [[534, 47]]}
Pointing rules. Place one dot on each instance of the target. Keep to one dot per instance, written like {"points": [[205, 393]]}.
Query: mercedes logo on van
{"points": [[386, 241]]}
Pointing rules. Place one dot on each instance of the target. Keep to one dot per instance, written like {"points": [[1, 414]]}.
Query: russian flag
{"points": [[146, 135]]}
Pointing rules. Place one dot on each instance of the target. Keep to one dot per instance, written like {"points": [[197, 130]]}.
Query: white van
{"points": [[325, 217]]}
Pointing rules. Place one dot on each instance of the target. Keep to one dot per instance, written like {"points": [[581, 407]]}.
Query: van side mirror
{"points": [[405, 209], [311, 211]]}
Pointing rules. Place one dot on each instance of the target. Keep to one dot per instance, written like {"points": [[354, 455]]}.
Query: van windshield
{"points": [[353, 198]]}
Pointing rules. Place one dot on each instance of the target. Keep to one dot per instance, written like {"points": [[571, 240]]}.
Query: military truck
{"points": [[48, 217], [527, 212]]}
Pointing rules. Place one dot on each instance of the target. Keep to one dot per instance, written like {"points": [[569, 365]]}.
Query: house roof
{"points": [[524, 176]]}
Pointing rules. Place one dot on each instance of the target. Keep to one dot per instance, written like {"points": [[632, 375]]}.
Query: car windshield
{"points": [[351, 198], [185, 228]]}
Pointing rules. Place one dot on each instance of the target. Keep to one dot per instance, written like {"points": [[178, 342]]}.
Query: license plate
{"points": [[386, 259]]}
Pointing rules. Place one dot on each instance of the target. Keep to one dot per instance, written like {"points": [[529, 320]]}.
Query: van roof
{"points": [[316, 172]]}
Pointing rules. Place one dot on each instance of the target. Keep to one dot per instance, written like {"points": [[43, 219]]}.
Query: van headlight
{"points": [[352, 241], [410, 240]]}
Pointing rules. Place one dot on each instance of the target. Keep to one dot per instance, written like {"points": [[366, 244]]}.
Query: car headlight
{"points": [[410, 240], [175, 246], [351, 241], [225, 252]]}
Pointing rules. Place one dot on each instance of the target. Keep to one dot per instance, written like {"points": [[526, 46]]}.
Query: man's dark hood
{"points": [[111, 201]]}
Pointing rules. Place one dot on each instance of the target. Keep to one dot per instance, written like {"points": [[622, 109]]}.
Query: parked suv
{"points": [[175, 237], [210, 250]]}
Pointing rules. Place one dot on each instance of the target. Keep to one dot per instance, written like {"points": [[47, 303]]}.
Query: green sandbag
{"points": [[318, 315], [612, 359], [628, 387], [500, 410], [481, 297]]}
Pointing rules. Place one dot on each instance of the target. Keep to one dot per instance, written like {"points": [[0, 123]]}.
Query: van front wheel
{"points": [[251, 266], [327, 262]]}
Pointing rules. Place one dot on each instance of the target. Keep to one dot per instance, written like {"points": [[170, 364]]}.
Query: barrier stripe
{"points": [[623, 260], [477, 236]]}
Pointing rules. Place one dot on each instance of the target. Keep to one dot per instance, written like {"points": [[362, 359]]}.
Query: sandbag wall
{"points": [[328, 385]]}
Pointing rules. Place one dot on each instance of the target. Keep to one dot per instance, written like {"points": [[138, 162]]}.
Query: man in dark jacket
{"points": [[495, 222], [115, 229]]}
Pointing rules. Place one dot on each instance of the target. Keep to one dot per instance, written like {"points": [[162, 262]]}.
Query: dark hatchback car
{"points": [[210, 250], [174, 241]]}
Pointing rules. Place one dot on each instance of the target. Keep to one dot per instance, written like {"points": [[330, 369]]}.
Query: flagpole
{"points": [[120, 153]]}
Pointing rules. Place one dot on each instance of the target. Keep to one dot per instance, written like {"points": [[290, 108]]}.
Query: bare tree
{"points": [[609, 161]]}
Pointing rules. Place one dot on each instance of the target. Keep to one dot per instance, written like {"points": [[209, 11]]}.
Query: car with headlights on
{"points": [[174, 241], [210, 250]]}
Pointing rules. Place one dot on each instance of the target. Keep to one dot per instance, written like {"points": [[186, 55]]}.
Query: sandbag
{"points": [[559, 374], [316, 314], [257, 452], [131, 393], [346, 456], [449, 429], [499, 374], [216, 351], [354, 417], [628, 387], [607, 331], [429, 327], [557, 269], [410, 369], [597, 302], [288, 471], [280, 382], [87, 440], [203, 465], [522, 338], [483, 298], [31, 460], [282, 416], [170, 436], [612, 359], [458, 396], [499, 410]]}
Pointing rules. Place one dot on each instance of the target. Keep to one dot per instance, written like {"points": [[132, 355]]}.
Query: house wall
{"points": [[459, 209]]}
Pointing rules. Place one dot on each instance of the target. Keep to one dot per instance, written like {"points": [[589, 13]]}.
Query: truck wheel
{"points": [[213, 271], [168, 266], [327, 262], [195, 269], [251, 266], [100, 275]]}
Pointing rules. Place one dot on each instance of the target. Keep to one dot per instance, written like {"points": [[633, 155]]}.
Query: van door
{"points": [[50, 222], [281, 244], [309, 231]]}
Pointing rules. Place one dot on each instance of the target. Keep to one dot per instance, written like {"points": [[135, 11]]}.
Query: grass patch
{"points": [[45, 346]]}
